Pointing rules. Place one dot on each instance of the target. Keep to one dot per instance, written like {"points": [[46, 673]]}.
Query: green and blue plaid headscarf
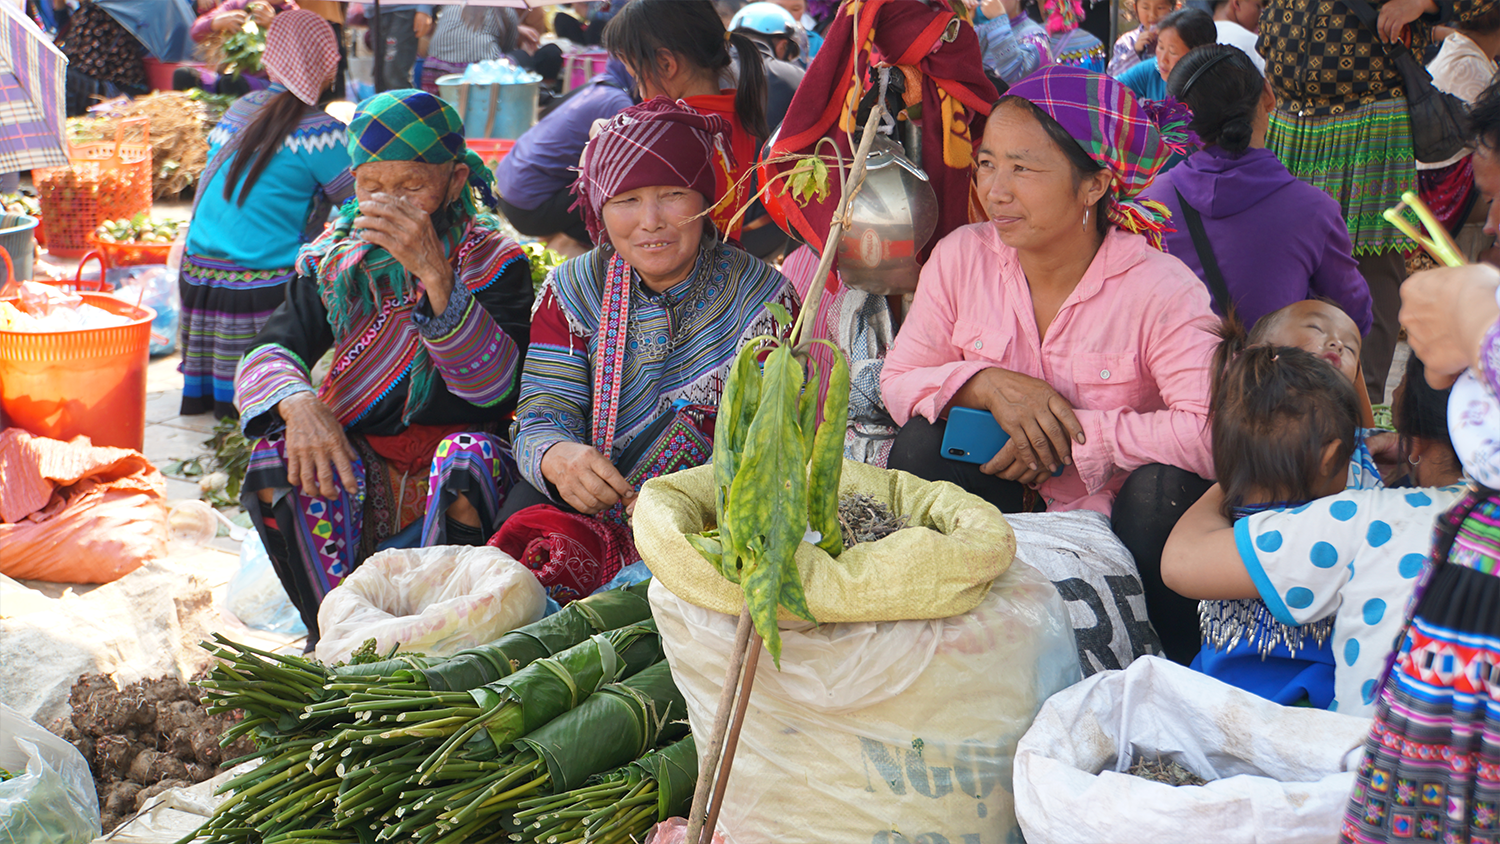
{"points": [[412, 125], [354, 277]]}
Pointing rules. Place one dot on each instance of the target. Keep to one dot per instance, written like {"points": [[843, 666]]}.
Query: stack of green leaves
{"points": [[405, 746], [621, 806]]}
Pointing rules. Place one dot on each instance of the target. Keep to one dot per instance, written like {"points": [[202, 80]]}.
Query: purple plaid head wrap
{"points": [[659, 142], [1131, 139]]}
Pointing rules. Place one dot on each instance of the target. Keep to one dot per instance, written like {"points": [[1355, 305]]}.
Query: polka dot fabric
{"points": [[1356, 556]]}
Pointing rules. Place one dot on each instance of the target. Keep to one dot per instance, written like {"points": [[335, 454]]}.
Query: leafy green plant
{"points": [[542, 261]]}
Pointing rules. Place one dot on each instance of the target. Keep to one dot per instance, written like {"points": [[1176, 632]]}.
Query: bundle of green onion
{"points": [[442, 751], [621, 806]]}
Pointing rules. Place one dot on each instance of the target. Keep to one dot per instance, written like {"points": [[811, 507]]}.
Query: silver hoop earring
{"points": [[1415, 461], [1085, 219]]}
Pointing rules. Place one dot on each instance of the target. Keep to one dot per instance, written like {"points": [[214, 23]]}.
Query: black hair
{"points": [[1223, 99], [1484, 118], [693, 30], [1273, 409], [1423, 410], [261, 139], [1485, 22], [1194, 26], [1083, 164]]}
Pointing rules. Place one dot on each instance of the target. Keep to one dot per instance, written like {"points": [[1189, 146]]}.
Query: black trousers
{"points": [[1153, 498]]}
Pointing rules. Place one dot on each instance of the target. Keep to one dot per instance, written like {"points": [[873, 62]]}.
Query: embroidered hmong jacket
{"points": [[679, 346], [475, 348]]}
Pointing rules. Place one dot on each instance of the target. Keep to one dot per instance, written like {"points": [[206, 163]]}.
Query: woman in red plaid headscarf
{"points": [[630, 344], [277, 165]]}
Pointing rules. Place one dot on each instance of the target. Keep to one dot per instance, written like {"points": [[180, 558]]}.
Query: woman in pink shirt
{"points": [[1063, 318]]}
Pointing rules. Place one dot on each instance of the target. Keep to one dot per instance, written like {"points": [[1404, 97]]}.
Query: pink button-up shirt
{"points": [[1130, 349]]}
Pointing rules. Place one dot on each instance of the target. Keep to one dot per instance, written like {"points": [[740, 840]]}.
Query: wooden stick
{"points": [[732, 740], [708, 762], [850, 187]]}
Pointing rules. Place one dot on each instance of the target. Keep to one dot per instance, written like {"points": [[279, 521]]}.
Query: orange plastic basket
{"points": [[129, 254], [490, 150], [101, 182], [60, 384]]}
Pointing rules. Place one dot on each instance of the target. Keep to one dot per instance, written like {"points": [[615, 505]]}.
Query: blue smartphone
{"points": [[972, 436]]}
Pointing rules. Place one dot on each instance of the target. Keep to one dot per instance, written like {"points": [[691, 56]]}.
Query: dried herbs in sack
{"points": [[621, 806], [893, 731]]}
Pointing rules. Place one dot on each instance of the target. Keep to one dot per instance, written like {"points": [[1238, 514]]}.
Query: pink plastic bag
{"points": [[674, 831]]}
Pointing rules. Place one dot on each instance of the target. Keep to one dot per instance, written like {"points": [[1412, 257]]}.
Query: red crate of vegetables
{"points": [[101, 182]]}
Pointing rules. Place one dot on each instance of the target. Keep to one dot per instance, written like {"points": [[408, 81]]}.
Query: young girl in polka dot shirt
{"points": [[1320, 571]]}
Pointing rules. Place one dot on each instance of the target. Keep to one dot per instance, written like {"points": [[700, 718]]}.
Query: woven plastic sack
{"points": [[436, 601], [71, 512], [970, 546], [1277, 773], [1097, 578], [52, 801], [892, 732]]}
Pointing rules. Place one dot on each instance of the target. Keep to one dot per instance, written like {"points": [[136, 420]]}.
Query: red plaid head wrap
{"points": [[659, 142], [1130, 139], [302, 53]]}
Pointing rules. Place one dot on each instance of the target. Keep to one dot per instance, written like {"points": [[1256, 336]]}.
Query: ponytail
{"points": [[260, 140], [750, 99]]}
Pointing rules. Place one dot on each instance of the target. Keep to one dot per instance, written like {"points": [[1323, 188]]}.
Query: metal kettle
{"points": [[891, 219]]}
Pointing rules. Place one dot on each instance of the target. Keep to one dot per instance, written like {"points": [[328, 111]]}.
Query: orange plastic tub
{"points": [[60, 384]]}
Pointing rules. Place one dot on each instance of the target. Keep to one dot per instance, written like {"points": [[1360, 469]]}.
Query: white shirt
{"points": [[1462, 69], [1235, 35]]}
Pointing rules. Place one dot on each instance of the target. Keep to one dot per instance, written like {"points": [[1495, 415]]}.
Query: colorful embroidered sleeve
{"points": [[477, 359], [556, 391], [480, 338], [267, 375]]}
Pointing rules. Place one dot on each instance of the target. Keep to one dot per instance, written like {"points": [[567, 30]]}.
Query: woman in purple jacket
{"points": [[1275, 240]]}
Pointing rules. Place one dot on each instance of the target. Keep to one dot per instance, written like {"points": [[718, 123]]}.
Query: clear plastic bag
{"points": [[892, 732], [54, 801], [436, 601], [153, 286], [256, 596]]}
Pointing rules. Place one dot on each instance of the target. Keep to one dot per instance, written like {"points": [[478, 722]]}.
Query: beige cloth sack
{"points": [[915, 573], [889, 732]]}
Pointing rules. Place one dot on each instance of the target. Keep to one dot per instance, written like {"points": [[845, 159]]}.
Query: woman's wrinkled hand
{"points": [[1396, 14], [1040, 422], [319, 458], [585, 479], [403, 229], [1446, 312]]}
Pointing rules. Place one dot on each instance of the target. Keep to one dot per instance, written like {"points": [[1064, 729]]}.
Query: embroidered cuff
{"points": [[530, 448], [478, 361], [437, 327], [265, 376]]}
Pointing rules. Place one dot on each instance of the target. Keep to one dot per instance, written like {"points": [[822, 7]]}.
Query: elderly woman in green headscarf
{"points": [[426, 307]]}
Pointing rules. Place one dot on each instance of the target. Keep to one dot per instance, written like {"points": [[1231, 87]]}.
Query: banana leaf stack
{"points": [[445, 751], [621, 806]]}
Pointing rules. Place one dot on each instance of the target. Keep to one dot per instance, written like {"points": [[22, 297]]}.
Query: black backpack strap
{"points": [[1366, 14], [1216, 286]]}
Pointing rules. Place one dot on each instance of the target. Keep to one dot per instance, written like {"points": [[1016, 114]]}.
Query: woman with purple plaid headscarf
{"points": [[1062, 318]]}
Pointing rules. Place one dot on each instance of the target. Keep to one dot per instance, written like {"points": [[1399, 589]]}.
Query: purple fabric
{"points": [[1277, 240], [537, 167]]}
